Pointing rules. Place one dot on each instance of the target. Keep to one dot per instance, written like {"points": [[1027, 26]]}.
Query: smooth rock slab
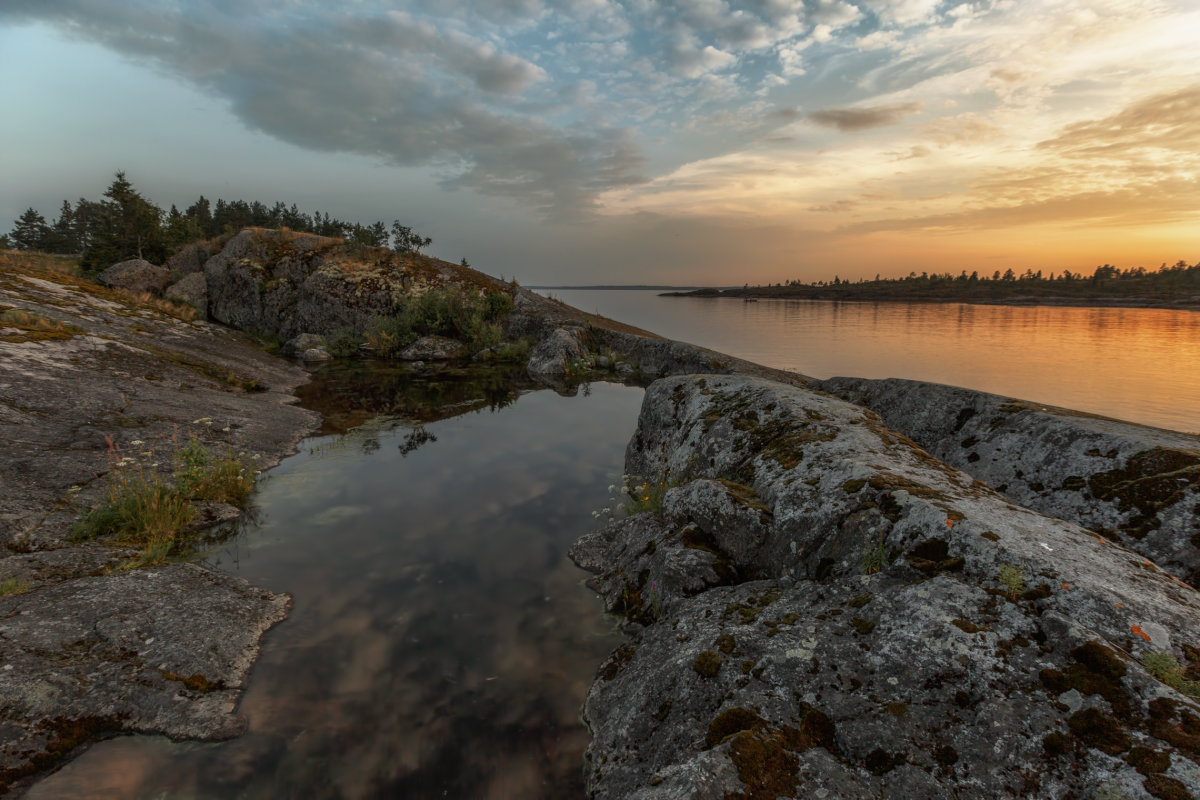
{"points": [[1137, 485], [845, 629], [162, 650]]}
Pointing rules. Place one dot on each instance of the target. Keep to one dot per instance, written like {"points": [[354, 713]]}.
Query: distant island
{"points": [[1175, 286], [630, 286]]}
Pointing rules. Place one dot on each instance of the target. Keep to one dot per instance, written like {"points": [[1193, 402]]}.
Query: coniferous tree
{"points": [[129, 227], [30, 231], [60, 238], [200, 212]]}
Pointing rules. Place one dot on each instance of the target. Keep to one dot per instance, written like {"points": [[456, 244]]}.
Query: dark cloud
{"points": [[858, 119], [388, 85]]}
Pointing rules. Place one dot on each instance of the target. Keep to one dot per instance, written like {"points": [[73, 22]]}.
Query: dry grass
{"points": [[142, 508], [32, 327]]}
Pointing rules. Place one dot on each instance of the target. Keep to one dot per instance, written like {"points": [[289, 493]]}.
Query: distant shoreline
{"points": [[631, 287], [1189, 304]]}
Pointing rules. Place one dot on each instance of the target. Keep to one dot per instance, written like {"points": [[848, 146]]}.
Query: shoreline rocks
{"points": [[89, 647], [1135, 485], [820, 608]]}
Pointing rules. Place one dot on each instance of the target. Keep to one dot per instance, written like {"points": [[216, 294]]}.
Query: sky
{"points": [[636, 141]]}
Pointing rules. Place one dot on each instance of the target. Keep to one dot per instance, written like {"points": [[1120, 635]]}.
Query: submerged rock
{"points": [[819, 608], [1137, 485], [136, 275]]}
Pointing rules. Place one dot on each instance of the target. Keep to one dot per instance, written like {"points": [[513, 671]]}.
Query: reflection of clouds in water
{"points": [[440, 641], [338, 515]]}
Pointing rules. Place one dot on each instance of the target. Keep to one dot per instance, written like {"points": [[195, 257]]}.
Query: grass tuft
{"points": [[142, 508]]}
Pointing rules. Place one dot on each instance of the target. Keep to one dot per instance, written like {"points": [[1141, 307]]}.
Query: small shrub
{"points": [[342, 344], [1013, 579], [645, 496]]}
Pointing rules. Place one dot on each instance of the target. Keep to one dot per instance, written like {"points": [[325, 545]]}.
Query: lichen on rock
{"points": [[790, 670]]}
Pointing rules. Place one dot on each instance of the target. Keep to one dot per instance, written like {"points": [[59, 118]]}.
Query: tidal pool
{"points": [[440, 643]]}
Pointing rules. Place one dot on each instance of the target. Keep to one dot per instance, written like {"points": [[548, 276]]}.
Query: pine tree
{"points": [[129, 227], [29, 232], [61, 237]]}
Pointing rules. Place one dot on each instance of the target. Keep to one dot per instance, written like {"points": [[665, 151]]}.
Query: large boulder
{"points": [[192, 257], [560, 354], [819, 608], [136, 275], [288, 283], [191, 289], [433, 348], [1137, 485]]}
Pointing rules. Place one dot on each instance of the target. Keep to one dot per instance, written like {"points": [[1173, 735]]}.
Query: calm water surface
{"points": [[1137, 364], [441, 643]]}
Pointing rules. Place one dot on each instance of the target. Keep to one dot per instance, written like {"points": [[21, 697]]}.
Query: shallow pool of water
{"points": [[440, 643]]}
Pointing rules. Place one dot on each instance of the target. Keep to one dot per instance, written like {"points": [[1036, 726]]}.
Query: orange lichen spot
{"points": [[1137, 631], [1065, 585], [949, 522], [1120, 606]]}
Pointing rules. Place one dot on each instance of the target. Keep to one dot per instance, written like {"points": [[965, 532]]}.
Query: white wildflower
{"points": [[136, 443], [207, 420]]}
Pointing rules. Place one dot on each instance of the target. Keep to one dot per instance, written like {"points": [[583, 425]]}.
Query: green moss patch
{"points": [[707, 664]]}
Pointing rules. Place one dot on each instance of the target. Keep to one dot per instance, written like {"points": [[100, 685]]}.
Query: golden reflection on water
{"points": [[440, 643], [1138, 364]]}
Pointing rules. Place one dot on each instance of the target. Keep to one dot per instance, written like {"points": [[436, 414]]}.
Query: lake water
{"points": [[441, 643], [1137, 364]]}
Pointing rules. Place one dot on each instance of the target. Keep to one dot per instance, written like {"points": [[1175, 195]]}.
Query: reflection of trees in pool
{"points": [[349, 393]]}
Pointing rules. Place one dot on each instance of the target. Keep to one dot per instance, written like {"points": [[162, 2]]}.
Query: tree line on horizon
{"points": [[1104, 280], [124, 225]]}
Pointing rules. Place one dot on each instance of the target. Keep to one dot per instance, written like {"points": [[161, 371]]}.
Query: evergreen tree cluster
{"points": [[126, 225], [1105, 281]]}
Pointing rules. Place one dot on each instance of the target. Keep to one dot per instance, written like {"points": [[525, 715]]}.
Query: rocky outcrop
{"points": [[286, 283], [819, 608], [191, 257], [433, 348], [1138, 486], [191, 289], [136, 275]]}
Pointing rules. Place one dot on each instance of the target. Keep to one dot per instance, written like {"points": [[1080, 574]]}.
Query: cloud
{"points": [[858, 119], [685, 58], [1169, 121], [388, 85]]}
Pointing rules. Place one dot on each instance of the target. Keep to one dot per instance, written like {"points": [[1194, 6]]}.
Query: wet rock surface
{"points": [[1136, 485], [110, 373], [821, 609]]}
